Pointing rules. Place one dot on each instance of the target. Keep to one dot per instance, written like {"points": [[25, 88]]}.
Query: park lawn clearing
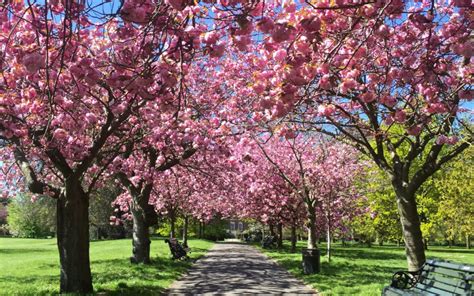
{"points": [[31, 267], [358, 270]]}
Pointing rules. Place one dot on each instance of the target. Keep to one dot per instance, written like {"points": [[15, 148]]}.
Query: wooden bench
{"points": [[436, 277], [177, 249]]}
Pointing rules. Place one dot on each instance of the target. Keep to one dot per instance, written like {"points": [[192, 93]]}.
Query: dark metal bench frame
{"points": [[456, 279]]}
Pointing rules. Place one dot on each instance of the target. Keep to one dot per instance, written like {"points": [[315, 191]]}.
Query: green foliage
{"points": [[164, 227], [381, 221], [356, 270], [31, 267], [216, 229], [31, 219], [428, 205], [444, 203], [456, 189]]}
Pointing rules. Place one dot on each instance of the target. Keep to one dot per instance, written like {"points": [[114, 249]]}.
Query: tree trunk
{"points": [[293, 238], [468, 241], [173, 227], [200, 229], [378, 240], [311, 224], [144, 216], [140, 237], [425, 244], [410, 222], [272, 229], [328, 238], [185, 231], [73, 239], [280, 235]]}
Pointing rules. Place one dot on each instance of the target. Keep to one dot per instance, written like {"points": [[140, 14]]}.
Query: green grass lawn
{"points": [[359, 270], [31, 267]]}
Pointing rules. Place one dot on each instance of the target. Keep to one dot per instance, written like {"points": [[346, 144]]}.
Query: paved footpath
{"points": [[236, 269]]}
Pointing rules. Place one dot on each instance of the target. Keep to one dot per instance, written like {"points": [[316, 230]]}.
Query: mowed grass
{"points": [[31, 267], [359, 270]]}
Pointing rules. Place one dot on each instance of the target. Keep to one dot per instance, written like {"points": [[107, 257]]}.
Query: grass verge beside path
{"points": [[359, 270], [31, 267]]}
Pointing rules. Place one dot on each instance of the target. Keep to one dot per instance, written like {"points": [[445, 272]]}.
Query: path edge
{"points": [[286, 270], [184, 274]]}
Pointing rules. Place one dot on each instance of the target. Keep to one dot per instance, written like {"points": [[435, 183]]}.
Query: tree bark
{"points": [[328, 238], [293, 238], [185, 231], [468, 241], [200, 229], [425, 244], [173, 227], [144, 216], [272, 229], [311, 224], [280, 235], [73, 239], [410, 222], [140, 237]]}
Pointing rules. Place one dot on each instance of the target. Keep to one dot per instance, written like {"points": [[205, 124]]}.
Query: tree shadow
{"points": [[23, 251], [120, 277], [238, 271]]}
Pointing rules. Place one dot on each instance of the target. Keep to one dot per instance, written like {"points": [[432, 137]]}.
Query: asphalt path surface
{"points": [[237, 269]]}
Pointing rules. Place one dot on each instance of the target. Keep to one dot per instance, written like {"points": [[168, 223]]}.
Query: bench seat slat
{"points": [[440, 278], [440, 286], [390, 291], [425, 290], [448, 281], [449, 272]]}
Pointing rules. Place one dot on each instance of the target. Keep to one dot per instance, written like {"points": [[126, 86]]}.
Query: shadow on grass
{"points": [[120, 277], [30, 285], [352, 270], [22, 251], [110, 277]]}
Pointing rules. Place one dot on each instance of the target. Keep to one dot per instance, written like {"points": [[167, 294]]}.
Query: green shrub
{"points": [[32, 219]]}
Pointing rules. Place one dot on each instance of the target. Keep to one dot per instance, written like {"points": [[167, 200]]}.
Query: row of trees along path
{"points": [[131, 90]]}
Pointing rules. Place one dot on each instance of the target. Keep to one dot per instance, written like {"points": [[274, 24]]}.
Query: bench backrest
{"points": [[446, 278], [176, 249]]}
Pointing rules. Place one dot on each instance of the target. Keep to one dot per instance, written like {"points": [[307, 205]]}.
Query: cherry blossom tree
{"points": [[303, 164], [388, 77], [75, 76], [69, 87]]}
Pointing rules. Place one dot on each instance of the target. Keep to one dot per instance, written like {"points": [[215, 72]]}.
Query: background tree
{"points": [[33, 219], [100, 210], [456, 206]]}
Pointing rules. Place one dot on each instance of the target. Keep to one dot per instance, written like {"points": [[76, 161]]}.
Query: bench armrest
{"points": [[405, 279]]}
